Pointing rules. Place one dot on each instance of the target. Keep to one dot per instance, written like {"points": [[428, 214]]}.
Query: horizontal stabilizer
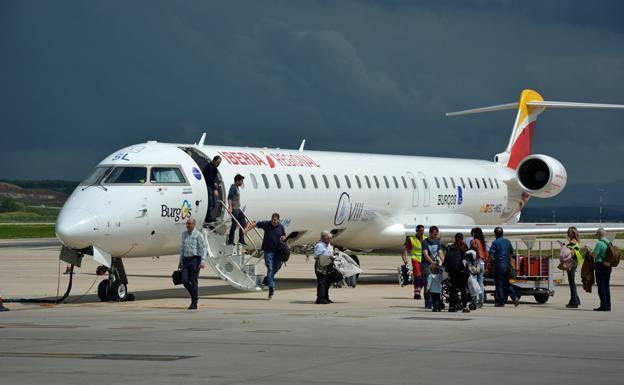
{"points": [[544, 103]]}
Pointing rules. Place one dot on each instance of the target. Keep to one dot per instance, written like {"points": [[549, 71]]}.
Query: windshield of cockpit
{"points": [[108, 174]]}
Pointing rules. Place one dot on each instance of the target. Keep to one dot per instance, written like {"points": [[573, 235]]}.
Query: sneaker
{"points": [[193, 306], [271, 292], [516, 302], [322, 302], [417, 296], [571, 306]]}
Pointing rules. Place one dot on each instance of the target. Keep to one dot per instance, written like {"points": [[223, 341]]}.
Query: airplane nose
{"points": [[76, 228]]}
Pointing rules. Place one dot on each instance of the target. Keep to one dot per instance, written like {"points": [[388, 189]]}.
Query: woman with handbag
{"points": [[577, 258]]}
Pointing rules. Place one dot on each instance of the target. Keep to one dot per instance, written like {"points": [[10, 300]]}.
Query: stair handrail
{"points": [[239, 225]]}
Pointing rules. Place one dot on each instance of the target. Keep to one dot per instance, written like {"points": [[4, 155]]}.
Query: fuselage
{"points": [[138, 205]]}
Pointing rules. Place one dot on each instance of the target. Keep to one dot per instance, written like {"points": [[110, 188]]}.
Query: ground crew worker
{"points": [[413, 249]]}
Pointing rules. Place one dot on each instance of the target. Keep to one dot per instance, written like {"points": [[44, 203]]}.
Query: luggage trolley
{"points": [[533, 272]]}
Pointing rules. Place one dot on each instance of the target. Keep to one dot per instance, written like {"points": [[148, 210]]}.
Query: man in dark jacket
{"points": [[211, 175], [454, 259], [274, 233]]}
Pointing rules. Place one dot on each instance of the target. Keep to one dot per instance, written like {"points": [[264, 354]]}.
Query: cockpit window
{"points": [[166, 175], [127, 175], [96, 175]]}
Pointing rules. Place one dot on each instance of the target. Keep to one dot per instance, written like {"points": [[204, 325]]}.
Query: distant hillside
{"points": [[62, 186], [33, 196]]}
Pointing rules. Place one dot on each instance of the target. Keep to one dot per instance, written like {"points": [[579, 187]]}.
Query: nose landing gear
{"points": [[115, 288]]}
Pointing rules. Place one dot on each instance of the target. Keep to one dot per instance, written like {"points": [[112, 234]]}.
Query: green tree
{"points": [[8, 205]]}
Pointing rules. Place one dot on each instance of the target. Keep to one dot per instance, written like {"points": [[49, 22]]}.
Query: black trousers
{"points": [[240, 217], [322, 285], [574, 298], [190, 275], [459, 280]]}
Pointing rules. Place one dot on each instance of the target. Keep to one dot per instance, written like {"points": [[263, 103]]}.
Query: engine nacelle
{"points": [[541, 176]]}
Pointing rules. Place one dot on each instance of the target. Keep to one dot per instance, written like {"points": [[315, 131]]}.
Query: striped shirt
{"points": [[193, 245]]}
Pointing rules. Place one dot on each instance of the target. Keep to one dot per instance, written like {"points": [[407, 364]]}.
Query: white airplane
{"points": [[136, 201]]}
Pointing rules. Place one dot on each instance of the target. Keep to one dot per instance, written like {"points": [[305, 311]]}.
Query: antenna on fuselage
{"points": [[302, 145], [201, 140]]}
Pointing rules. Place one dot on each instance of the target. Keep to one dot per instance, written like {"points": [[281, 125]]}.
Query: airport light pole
{"points": [[600, 191]]}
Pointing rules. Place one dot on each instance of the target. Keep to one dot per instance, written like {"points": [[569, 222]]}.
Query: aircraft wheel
{"points": [[103, 290], [541, 298], [119, 291]]}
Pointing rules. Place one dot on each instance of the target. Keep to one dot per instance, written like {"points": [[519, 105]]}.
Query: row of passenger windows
{"points": [[371, 182]]}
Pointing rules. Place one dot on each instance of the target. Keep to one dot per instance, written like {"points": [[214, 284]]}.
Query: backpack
{"points": [[613, 254], [283, 251]]}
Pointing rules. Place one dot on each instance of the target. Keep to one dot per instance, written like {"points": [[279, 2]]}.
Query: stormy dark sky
{"points": [[80, 79]]}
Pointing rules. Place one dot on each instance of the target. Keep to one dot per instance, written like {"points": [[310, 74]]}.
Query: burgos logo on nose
{"points": [[176, 213]]}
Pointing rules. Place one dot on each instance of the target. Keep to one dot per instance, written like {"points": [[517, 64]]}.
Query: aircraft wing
{"points": [[526, 230]]}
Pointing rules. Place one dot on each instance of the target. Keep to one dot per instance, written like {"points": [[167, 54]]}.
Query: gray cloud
{"points": [[83, 78]]}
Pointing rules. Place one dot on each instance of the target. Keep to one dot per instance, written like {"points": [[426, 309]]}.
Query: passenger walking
{"points": [[192, 259], [274, 233], [413, 248], [603, 270], [234, 208], [323, 255], [434, 286], [478, 245], [213, 184], [432, 252], [456, 266], [575, 248], [502, 250]]}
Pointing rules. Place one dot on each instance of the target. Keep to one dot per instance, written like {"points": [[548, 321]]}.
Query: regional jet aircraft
{"points": [[136, 201]]}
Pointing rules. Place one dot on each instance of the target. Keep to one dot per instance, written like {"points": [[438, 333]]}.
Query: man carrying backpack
{"points": [[603, 270], [274, 234]]}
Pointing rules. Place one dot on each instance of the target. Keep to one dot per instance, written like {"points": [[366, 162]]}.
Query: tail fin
{"points": [[531, 104]]}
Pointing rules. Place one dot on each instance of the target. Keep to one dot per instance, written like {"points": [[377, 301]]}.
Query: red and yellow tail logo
{"points": [[524, 128]]}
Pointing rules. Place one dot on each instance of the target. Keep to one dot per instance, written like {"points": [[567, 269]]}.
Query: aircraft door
{"points": [[425, 185], [411, 181]]}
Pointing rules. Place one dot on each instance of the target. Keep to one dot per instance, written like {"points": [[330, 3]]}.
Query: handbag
{"points": [[176, 276]]}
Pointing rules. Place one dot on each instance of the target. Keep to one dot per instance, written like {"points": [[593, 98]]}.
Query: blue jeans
{"points": [[603, 277], [502, 272], [273, 264]]}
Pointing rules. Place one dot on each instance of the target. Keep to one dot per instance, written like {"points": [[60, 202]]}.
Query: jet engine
{"points": [[541, 176]]}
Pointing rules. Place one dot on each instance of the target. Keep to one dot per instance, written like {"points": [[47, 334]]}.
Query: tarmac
{"points": [[373, 334]]}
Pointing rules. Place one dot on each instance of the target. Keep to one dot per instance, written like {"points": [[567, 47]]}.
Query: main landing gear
{"points": [[115, 288]]}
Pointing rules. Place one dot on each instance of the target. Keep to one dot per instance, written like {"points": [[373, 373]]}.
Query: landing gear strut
{"points": [[115, 288]]}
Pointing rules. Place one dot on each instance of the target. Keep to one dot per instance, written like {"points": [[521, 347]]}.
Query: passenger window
{"points": [[376, 181], [166, 175], [357, 180], [477, 182], [484, 183], [326, 181], [127, 175], [368, 183], [386, 182], [470, 182], [265, 180], [413, 183], [337, 181], [396, 182], [348, 181], [404, 182], [496, 180], [254, 182], [314, 181], [463, 184], [445, 184], [302, 181], [277, 181], [425, 183], [491, 184], [290, 181], [453, 183], [437, 182]]}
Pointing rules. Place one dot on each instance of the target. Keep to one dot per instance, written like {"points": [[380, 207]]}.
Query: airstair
{"points": [[233, 263]]}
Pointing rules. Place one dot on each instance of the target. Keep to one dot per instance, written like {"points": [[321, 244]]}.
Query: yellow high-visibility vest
{"points": [[416, 251], [577, 251]]}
